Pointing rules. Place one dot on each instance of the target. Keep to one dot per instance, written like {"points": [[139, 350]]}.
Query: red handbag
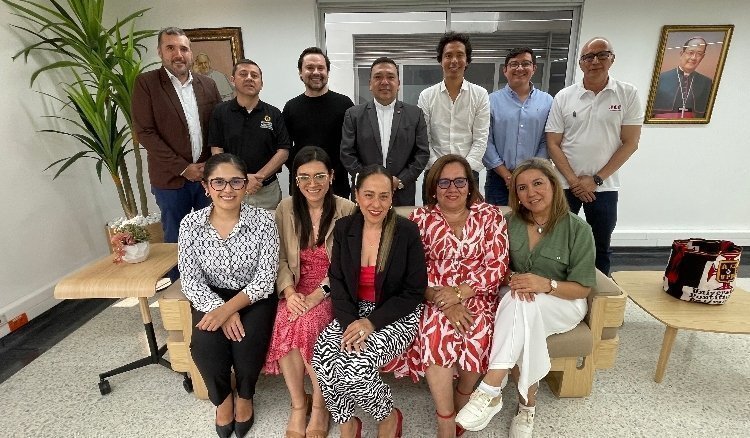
{"points": [[702, 270]]}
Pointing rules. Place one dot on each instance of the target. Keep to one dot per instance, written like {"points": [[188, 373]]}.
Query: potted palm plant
{"points": [[100, 64]]}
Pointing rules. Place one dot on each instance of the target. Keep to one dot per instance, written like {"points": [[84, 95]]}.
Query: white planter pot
{"points": [[136, 253]]}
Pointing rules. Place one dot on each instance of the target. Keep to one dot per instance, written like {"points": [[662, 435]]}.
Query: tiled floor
{"points": [[706, 391]]}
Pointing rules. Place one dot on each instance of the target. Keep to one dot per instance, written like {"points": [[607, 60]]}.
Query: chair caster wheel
{"points": [[104, 387], [187, 384]]}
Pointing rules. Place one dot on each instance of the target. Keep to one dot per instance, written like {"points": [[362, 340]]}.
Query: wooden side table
{"points": [[105, 279], [646, 290]]}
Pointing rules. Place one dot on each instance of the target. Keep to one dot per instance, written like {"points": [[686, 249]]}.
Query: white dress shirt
{"points": [[459, 127], [385, 121], [190, 107]]}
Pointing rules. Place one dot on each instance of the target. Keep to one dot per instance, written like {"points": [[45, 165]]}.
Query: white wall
{"points": [[684, 180]]}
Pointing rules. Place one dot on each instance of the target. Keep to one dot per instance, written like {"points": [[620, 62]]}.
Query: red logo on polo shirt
{"points": [[615, 107]]}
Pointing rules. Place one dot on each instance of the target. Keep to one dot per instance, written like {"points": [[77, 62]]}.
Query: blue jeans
{"points": [[495, 190], [602, 216], [175, 204]]}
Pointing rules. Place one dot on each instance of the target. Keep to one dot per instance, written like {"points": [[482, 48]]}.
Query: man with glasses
{"points": [[171, 108], [456, 111], [386, 131], [518, 113], [683, 92], [254, 131], [593, 128]]}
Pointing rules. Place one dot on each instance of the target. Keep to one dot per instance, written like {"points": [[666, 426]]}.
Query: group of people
{"points": [[341, 292]]}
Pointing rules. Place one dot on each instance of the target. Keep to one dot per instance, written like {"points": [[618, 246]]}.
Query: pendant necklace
{"points": [[683, 95], [539, 227]]}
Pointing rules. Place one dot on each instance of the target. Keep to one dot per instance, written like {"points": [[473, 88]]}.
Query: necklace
{"points": [[539, 227], [684, 95]]}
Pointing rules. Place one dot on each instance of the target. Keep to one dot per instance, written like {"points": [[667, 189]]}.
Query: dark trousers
{"points": [[175, 204], [495, 190], [602, 216], [215, 355], [474, 173]]}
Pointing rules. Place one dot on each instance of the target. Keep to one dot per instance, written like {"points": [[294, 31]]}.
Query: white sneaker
{"points": [[480, 409], [522, 425]]}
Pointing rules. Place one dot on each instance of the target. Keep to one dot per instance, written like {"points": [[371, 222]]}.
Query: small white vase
{"points": [[136, 253]]}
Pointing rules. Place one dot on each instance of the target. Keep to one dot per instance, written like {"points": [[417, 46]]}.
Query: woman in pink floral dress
{"points": [[305, 222], [465, 242]]}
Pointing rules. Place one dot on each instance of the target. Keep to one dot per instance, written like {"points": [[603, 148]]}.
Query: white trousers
{"points": [[521, 330]]}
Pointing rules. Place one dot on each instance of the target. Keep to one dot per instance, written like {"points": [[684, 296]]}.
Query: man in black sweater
{"points": [[315, 117]]}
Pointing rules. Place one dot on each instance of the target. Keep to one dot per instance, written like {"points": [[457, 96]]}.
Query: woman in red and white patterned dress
{"points": [[465, 242]]}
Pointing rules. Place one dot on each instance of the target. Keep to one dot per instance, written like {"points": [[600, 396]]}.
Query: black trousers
{"points": [[215, 355]]}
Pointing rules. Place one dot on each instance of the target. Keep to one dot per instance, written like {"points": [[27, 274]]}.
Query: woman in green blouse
{"points": [[552, 260]]}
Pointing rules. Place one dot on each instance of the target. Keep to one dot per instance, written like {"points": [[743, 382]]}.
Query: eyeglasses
{"points": [[516, 64], [601, 56], [320, 178], [445, 183], [219, 184]]}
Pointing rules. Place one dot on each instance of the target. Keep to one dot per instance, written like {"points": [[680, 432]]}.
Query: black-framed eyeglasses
{"points": [[445, 183], [516, 64], [601, 56], [320, 178], [219, 184]]}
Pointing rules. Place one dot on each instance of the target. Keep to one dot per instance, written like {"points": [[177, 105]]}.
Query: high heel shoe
{"points": [[315, 433], [307, 407], [241, 428], [399, 422], [459, 430], [358, 432], [225, 431]]}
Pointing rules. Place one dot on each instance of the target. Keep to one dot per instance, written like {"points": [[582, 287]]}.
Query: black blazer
{"points": [[399, 289], [408, 151]]}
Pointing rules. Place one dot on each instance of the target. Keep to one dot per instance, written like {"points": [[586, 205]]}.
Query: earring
{"points": [[207, 195]]}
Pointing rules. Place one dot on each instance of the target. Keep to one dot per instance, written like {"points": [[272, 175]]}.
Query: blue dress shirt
{"points": [[516, 128]]}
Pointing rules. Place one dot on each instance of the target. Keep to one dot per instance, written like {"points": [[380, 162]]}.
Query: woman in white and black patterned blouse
{"points": [[228, 258]]}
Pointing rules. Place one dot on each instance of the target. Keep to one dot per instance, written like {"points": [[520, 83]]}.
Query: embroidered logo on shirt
{"points": [[615, 107], [266, 123]]}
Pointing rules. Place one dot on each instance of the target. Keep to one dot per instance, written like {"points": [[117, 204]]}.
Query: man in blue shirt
{"points": [[518, 114]]}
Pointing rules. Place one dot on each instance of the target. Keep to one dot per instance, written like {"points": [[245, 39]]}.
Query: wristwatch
{"points": [[326, 290], [598, 180], [552, 286]]}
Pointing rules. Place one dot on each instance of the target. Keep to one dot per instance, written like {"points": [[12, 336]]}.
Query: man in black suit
{"points": [[683, 92], [386, 131]]}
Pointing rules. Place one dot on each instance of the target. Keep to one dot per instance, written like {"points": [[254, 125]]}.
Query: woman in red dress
{"points": [[465, 243], [305, 222]]}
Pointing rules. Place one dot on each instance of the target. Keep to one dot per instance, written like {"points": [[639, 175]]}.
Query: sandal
{"points": [[314, 433], [459, 430], [306, 407]]}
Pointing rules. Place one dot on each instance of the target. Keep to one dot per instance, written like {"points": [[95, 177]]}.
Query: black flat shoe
{"points": [[226, 430], [241, 428]]}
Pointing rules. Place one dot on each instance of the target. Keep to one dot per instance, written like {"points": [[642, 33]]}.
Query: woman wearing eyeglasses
{"points": [[228, 255], [465, 243], [305, 222]]}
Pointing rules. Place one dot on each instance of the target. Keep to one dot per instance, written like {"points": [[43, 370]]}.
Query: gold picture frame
{"points": [[223, 47], [687, 72]]}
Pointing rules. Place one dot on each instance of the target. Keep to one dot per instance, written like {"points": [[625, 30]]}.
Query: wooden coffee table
{"points": [[646, 290]]}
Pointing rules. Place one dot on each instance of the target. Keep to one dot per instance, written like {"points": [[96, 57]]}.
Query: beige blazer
{"points": [[289, 249]]}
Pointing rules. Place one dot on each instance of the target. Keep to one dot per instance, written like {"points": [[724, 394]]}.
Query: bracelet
{"points": [[458, 294]]}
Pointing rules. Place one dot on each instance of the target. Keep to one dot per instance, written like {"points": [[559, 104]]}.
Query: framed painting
{"points": [[215, 51], [687, 72]]}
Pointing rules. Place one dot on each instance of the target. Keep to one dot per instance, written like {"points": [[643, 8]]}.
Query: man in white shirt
{"points": [[386, 131], [456, 111], [593, 128]]}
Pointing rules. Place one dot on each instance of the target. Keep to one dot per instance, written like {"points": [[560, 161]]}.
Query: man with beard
{"points": [[518, 113], [254, 131], [314, 118], [171, 108]]}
